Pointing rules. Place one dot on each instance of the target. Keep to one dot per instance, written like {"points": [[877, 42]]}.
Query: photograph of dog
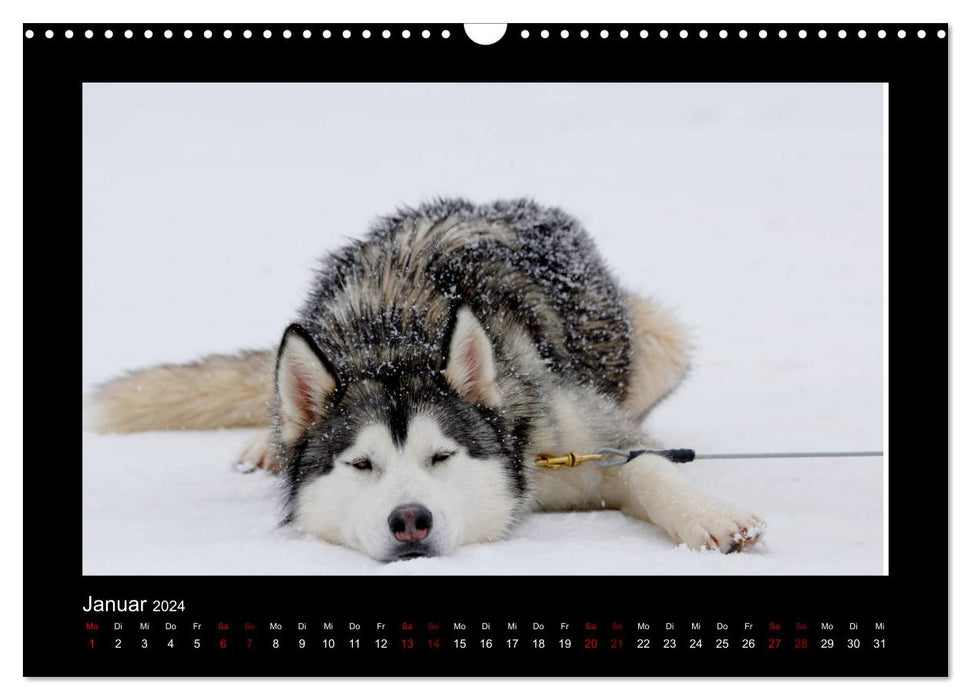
{"points": [[434, 359], [347, 329]]}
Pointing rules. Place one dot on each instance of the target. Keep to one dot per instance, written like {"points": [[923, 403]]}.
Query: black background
{"points": [[912, 600]]}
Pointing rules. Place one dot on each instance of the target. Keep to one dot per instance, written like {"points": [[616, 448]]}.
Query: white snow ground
{"points": [[754, 210]]}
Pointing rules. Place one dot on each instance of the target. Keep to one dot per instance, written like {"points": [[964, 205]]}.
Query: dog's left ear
{"points": [[471, 365]]}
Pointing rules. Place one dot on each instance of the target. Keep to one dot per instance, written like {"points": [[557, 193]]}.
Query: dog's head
{"points": [[399, 463]]}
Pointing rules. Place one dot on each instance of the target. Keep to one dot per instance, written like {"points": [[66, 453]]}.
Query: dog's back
{"points": [[387, 299]]}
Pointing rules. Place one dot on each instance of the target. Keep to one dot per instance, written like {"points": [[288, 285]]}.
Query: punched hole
{"points": [[485, 34]]}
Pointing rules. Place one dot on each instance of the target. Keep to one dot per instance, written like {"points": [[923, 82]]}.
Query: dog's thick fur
{"points": [[433, 360]]}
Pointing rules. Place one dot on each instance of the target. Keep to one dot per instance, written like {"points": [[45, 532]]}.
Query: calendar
{"points": [[485, 350]]}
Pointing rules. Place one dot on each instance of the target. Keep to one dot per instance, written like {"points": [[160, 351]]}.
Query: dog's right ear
{"points": [[305, 381]]}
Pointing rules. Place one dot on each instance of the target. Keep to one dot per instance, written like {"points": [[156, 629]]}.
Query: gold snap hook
{"points": [[571, 459]]}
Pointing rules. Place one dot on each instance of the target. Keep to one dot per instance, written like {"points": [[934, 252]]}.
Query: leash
{"points": [[607, 457]]}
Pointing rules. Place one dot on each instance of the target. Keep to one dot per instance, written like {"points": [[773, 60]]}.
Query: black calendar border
{"points": [[913, 599]]}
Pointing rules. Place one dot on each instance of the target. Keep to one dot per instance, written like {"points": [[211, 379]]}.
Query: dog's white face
{"points": [[423, 498], [403, 462]]}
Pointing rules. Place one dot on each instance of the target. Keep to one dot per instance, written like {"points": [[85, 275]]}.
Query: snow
{"points": [[754, 210]]}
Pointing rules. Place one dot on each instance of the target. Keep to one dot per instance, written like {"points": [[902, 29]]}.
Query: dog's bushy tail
{"points": [[218, 391]]}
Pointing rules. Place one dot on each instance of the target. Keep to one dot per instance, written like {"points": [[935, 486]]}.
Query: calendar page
{"points": [[438, 350]]}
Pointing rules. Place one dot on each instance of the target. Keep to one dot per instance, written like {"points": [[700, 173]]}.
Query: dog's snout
{"points": [[410, 523]]}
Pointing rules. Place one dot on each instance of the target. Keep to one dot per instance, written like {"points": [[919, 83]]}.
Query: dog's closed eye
{"points": [[364, 464], [441, 456]]}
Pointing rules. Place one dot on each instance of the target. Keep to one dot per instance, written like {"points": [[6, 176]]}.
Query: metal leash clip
{"points": [[572, 459]]}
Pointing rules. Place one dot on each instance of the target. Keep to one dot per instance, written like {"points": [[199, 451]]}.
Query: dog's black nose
{"points": [[410, 523]]}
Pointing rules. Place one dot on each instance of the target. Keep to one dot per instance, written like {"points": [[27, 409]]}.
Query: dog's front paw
{"points": [[725, 529], [259, 453]]}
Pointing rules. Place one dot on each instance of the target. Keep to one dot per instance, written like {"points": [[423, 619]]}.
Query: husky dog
{"points": [[433, 360]]}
